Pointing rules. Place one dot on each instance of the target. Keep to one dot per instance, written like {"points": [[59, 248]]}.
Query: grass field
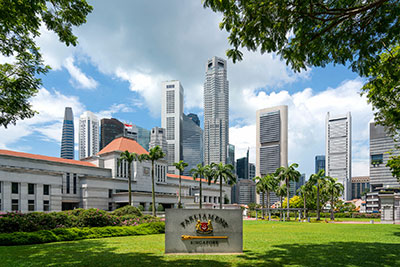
{"points": [[265, 244]]}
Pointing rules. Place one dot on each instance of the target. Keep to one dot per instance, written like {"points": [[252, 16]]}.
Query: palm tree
{"points": [[200, 172], [281, 192], [304, 191], [224, 173], [318, 179], [334, 190], [129, 158], [260, 189], [288, 174], [155, 154], [181, 167], [270, 184]]}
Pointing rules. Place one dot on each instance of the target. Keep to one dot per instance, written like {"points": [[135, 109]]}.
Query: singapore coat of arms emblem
{"points": [[204, 227]]}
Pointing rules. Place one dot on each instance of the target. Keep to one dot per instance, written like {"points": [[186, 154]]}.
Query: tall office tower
{"points": [[231, 155], [67, 139], [216, 111], [109, 130], [380, 142], [319, 163], [191, 143], [252, 170], [171, 120], [242, 167], [294, 186], [131, 131], [338, 150], [194, 118], [88, 135], [158, 138], [271, 141]]}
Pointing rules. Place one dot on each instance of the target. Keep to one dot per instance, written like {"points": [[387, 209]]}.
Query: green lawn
{"points": [[265, 243]]}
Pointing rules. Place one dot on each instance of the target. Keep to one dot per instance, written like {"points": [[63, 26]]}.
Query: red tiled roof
{"points": [[121, 144], [41, 157], [186, 177]]}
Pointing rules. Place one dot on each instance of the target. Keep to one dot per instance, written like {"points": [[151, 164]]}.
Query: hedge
{"points": [[70, 234]]}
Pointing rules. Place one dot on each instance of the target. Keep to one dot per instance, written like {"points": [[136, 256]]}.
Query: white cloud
{"points": [[307, 114], [79, 79]]}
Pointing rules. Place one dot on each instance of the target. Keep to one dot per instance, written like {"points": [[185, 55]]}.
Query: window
{"points": [[205, 199], [170, 128], [46, 189], [170, 86], [377, 159], [14, 205], [31, 205], [110, 206], [110, 191], [0, 187], [46, 205], [74, 183], [14, 188], [68, 183], [31, 189]]}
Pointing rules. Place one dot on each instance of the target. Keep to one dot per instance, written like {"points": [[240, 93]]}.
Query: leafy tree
{"points": [[181, 167], [334, 189], [318, 179], [20, 22], [128, 157], [199, 172], [223, 173], [288, 174], [155, 154]]}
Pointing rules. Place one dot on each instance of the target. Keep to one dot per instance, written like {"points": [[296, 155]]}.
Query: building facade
{"points": [[30, 182], [359, 186], [109, 130], [320, 163], [216, 111], [252, 170], [271, 141], [191, 143], [171, 120], [338, 150], [158, 138], [68, 136], [194, 118], [231, 155], [88, 135], [244, 192]]}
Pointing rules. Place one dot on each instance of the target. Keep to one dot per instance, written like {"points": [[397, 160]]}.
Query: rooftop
{"points": [[122, 144]]}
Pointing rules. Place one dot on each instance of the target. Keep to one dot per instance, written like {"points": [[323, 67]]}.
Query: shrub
{"points": [[141, 208], [160, 207], [69, 234], [96, 218], [127, 210]]}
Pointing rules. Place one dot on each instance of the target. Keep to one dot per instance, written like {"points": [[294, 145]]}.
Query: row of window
{"points": [[210, 199], [68, 183], [15, 205], [15, 189]]}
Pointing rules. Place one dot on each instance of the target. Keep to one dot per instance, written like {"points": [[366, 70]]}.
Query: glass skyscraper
{"points": [[68, 140], [192, 144], [109, 130], [319, 163]]}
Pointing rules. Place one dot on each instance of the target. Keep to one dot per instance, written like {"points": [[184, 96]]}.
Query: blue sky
{"points": [[125, 51]]}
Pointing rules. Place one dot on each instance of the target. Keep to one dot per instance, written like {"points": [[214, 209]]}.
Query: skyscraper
{"points": [[252, 170], [88, 135], [242, 167], [191, 143], [194, 118], [109, 130], [231, 155], [338, 150], [67, 139], [319, 163], [271, 141], [158, 138], [216, 111], [171, 120]]}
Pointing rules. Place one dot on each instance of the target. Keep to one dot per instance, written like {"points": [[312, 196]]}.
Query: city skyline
{"points": [[126, 85]]}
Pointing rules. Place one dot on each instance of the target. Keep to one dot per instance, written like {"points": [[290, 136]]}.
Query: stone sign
{"points": [[203, 231]]}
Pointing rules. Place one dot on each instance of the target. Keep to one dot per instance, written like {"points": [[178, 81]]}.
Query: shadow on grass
{"points": [[90, 253], [329, 254]]}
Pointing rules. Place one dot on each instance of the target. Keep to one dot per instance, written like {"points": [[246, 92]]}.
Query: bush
{"points": [[160, 207], [141, 208], [127, 210], [64, 234], [96, 218]]}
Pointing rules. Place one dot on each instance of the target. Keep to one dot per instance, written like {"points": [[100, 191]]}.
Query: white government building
{"points": [[30, 182]]}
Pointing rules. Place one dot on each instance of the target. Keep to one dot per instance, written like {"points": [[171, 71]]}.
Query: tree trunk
{"points": [[153, 194], [318, 217], [304, 198], [220, 192], [287, 200], [280, 210], [179, 197], [201, 195], [263, 205], [332, 217], [268, 207], [129, 183]]}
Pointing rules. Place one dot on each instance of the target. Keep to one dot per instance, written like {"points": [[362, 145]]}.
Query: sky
{"points": [[127, 49]]}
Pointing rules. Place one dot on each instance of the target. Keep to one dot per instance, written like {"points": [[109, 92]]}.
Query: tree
{"points": [[334, 189], [181, 167], [260, 190], [304, 190], [281, 192], [155, 154], [223, 173], [288, 174], [128, 157], [270, 184], [318, 179], [199, 172], [20, 22]]}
